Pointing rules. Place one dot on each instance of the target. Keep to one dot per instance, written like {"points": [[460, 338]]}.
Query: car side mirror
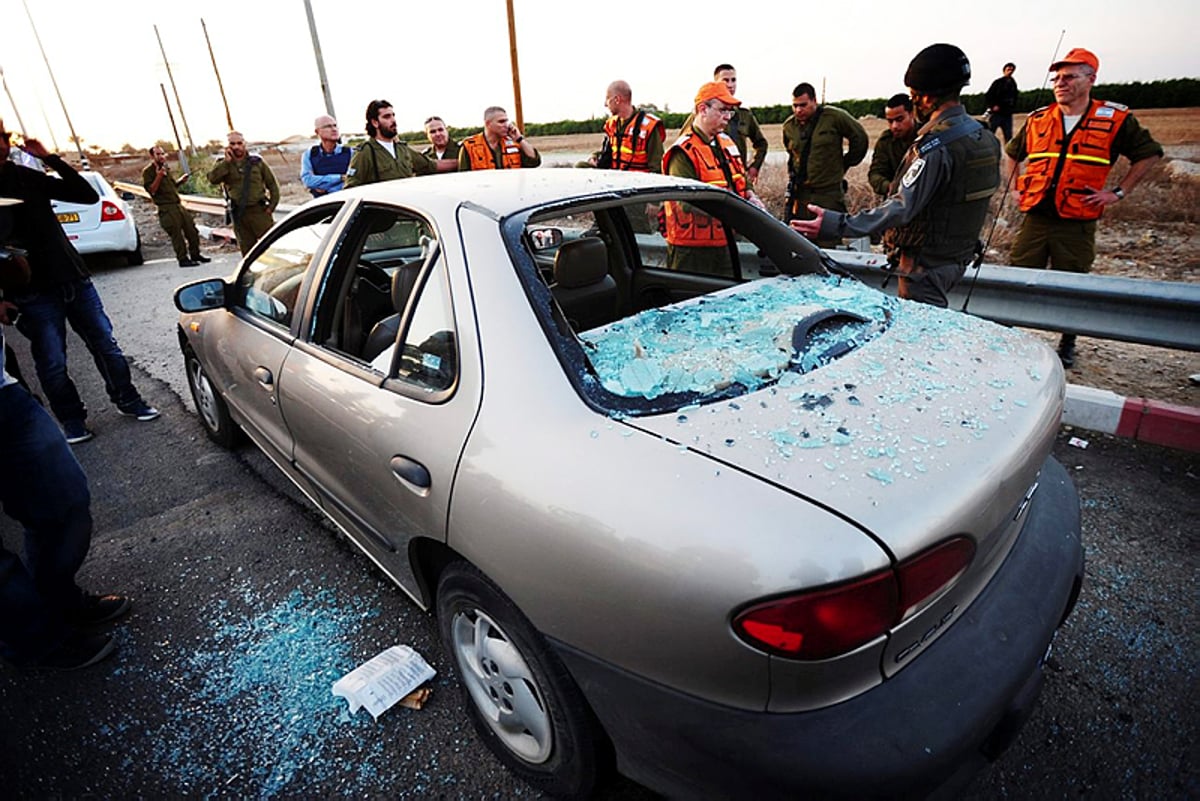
{"points": [[200, 296]]}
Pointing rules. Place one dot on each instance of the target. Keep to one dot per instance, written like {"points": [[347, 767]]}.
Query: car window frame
{"points": [[342, 250]]}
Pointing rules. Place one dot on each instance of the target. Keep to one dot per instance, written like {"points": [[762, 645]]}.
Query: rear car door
{"points": [[378, 433]]}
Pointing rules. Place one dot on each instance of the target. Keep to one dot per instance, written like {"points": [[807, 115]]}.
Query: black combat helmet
{"points": [[938, 69]]}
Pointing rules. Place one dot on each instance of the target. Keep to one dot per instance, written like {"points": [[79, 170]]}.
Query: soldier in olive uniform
{"points": [[817, 165], [382, 158], [892, 144], [936, 210], [251, 188], [441, 146], [172, 216]]}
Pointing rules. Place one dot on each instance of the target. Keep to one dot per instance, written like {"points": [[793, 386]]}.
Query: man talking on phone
{"points": [[499, 146], [172, 216]]}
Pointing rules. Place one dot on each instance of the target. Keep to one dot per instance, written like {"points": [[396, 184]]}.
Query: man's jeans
{"points": [[42, 487], [42, 321]]}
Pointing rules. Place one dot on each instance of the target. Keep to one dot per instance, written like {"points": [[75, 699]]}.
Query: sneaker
{"points": [[79, 651], [97, 609], [76, 431], [201, 258], [188, 263], [141, 410]]}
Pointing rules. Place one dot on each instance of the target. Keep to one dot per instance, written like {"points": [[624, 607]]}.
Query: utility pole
{"points": [[182, 157], [312, 28], [171, 78], [78, 145], [13, 103], [220, 86], [512, 47]]}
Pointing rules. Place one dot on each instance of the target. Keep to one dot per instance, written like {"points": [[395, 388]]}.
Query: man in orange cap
{"points": [[1069, 148], [696, 242]]}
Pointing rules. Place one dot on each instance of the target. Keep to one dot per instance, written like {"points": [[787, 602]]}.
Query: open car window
{"points": [[388, 281], [269, 285]]}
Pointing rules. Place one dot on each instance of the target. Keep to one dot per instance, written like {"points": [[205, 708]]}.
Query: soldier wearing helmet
{"points": [[936, 210]]}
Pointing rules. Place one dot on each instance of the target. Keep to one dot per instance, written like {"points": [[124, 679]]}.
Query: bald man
{"points": [[323, 166]]}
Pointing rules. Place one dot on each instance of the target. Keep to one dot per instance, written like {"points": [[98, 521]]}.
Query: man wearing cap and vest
{"points": [[696, 242], [633, 138], [1069, 148], [936, 210], [743, 127], [499, 146], [323, 166]]}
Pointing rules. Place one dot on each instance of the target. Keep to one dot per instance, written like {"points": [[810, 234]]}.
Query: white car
{"points": [[106, 226]]}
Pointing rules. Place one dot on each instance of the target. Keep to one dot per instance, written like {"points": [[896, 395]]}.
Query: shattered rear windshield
{"points": [[737, 340]]}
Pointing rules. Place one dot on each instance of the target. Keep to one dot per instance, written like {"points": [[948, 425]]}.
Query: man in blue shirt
{"points": [[323, 166]]}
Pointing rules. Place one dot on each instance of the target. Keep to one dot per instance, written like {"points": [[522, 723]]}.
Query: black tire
{"points": [[528, 711], [214, 414], [136, 258]]}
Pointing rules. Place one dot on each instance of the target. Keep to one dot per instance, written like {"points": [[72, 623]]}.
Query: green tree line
{"points": [[1173, 93]]}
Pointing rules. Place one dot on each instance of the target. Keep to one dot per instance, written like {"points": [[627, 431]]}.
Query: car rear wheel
{"points": [[524, 703], [135, 257], [214, 414]]}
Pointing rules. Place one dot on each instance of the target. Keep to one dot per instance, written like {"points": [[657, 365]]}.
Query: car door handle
{"points": [[264, 378], [411, 474]]}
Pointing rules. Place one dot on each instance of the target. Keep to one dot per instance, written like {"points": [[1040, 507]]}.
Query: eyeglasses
{"points": [[330, 125], [725, 111], [1067, 77]]}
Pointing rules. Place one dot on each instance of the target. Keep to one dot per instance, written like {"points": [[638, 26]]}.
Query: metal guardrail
{"points": [[197, 203], [1162, 313]]}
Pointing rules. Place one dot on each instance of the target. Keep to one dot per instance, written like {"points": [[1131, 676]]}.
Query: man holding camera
{"points": [[251, 188]]}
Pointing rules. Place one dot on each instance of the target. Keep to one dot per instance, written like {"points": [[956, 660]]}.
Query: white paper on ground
{"points": [[383, 680]]}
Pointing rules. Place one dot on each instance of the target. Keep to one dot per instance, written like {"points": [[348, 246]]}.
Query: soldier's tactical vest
{"points": [[628, 145], [481, 155], [947, 229], [1070, 167], [695, 228]]}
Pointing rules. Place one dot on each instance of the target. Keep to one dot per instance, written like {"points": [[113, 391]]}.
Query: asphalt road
{"points": [[249, 606]]}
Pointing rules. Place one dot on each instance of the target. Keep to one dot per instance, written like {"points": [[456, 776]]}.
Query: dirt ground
{"points": [[1151, 235]]}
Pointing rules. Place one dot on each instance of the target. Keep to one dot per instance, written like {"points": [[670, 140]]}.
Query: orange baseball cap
{"points": [[1078, 56], [716, 90]]}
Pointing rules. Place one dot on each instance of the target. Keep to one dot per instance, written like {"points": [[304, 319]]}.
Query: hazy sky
{"points": [[108, 65]]}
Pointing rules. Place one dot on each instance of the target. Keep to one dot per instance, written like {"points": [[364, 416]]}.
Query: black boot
{"points": [[1066, 350]]}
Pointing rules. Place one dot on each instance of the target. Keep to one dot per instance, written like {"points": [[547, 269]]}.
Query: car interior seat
{"points": [[582, 286], [383, 333]]}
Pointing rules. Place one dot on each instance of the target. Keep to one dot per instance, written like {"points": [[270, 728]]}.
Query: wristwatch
{"points": [[1119, 192]]}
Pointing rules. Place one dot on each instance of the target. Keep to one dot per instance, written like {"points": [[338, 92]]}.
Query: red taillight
{"points": [[110, 211], [924, 576], [831, 621]]}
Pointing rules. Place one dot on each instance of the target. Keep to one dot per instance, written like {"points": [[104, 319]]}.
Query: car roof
{"points": [[504, 192]]}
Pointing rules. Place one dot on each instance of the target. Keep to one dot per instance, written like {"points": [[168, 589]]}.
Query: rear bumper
{"points": [[930, 727], [108, 238]]}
